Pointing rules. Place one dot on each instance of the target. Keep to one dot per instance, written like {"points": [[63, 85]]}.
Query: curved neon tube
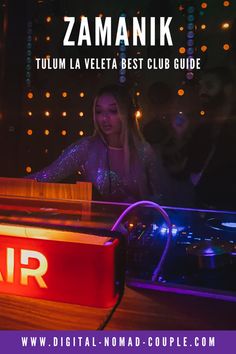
{"points": [[169, 225]]}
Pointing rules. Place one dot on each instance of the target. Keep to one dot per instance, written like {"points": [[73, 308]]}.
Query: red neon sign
{"points": [[58, 265], [25, 273]]}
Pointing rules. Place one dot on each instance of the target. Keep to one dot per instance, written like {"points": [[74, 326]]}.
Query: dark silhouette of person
{"points": [[212, 151], [167, 132]]}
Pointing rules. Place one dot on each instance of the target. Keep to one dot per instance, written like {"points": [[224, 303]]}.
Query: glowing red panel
{"points": [[58, 265]]}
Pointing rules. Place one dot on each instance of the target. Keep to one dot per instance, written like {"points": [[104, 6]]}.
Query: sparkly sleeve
{"points": [[151, 162], [66, 164]]}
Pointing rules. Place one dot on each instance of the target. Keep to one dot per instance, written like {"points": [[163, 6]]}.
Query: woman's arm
{"points": [[66, 164]]}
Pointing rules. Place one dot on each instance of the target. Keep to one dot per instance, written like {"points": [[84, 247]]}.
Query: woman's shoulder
{"points": [[80, 144], [83, 147]]}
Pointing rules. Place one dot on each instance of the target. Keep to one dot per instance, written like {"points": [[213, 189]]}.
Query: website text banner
{"points": [[188, 342]]}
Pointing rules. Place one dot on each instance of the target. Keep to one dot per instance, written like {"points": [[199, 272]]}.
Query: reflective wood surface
{"points": [[138, 310]]}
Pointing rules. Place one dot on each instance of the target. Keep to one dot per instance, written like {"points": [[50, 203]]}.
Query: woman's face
{"points": [[107, 115]]}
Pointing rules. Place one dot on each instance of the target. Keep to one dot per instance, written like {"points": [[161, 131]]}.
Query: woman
{"points": [[116, 159]]}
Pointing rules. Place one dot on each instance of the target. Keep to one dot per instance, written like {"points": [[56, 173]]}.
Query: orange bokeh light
{"points": [[138, 114], [30, 95], [180, 92], [225, 25], [226, 46], [182, 50], [203, 48]]}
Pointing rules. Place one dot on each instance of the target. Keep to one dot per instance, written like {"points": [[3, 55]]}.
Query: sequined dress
{"points": [[91, 157]]}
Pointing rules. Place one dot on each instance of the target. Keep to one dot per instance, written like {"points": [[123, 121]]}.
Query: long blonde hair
{"points": [[131, 137]]}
